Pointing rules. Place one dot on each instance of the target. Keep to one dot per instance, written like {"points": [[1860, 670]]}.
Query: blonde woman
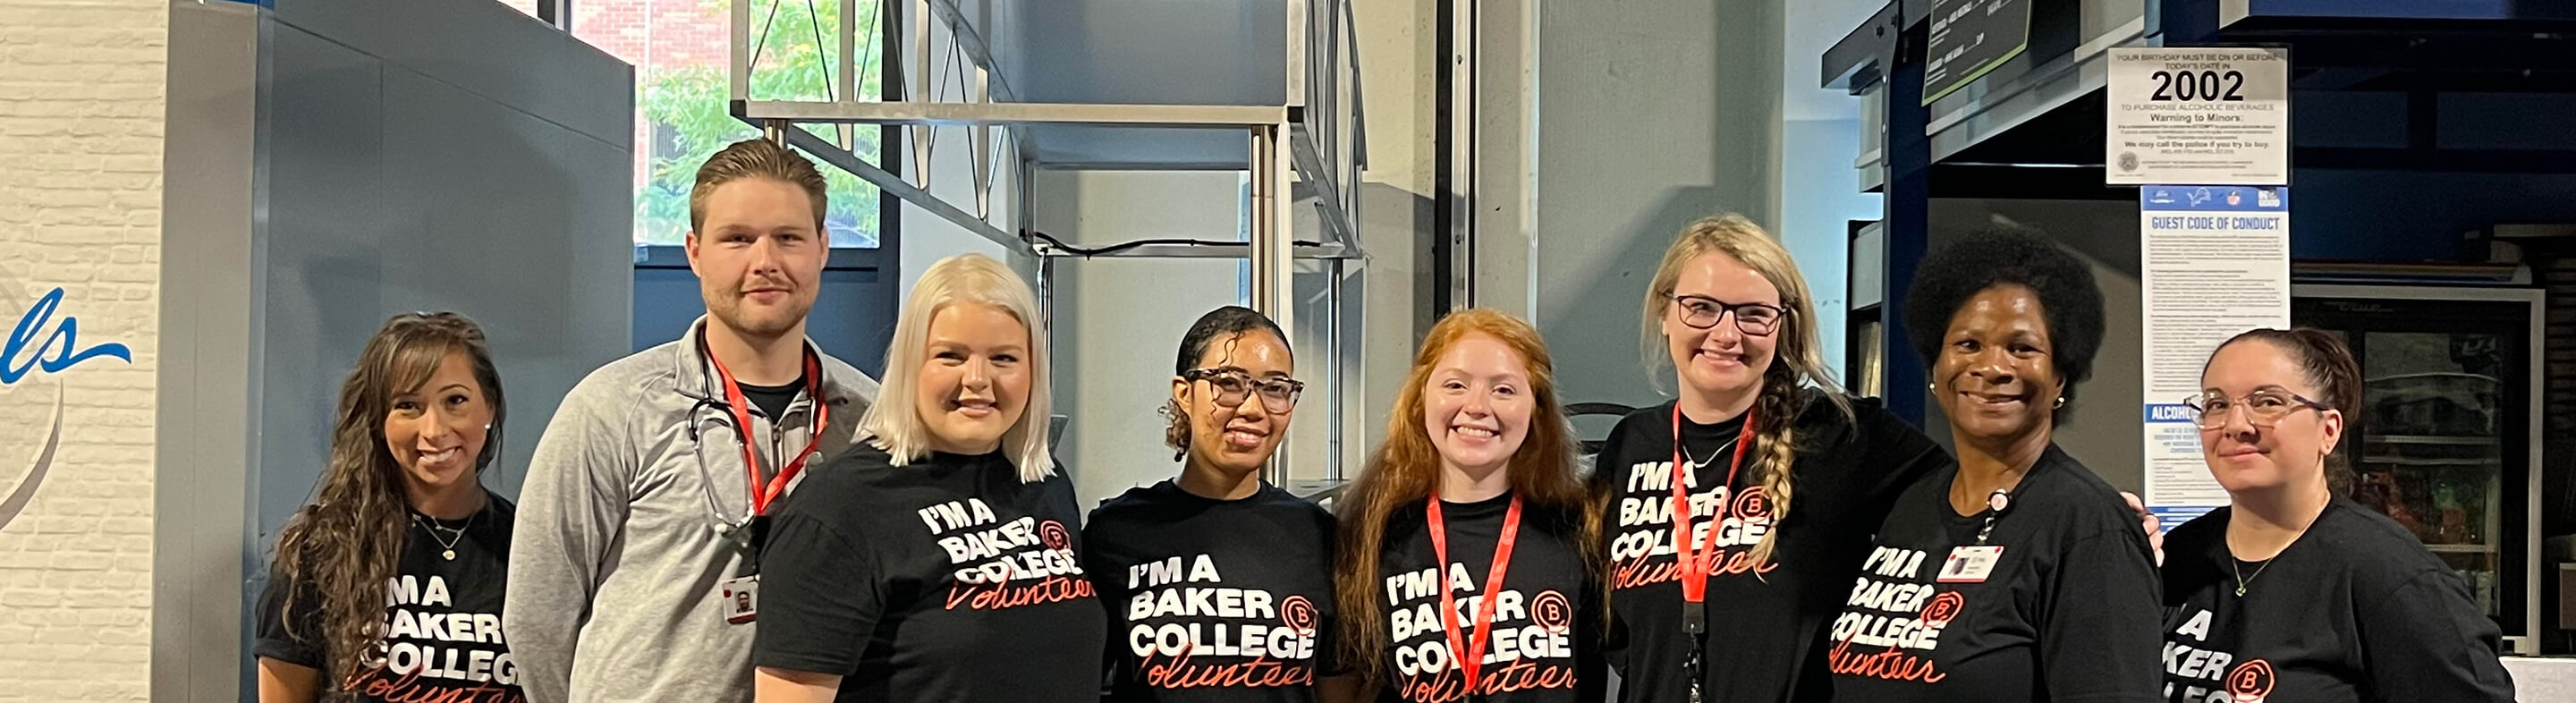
{"points": [[1784, 479], [936, 559]]}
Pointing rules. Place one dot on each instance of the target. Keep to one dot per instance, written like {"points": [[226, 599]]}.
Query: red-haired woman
{"points": [[1470, 550]]}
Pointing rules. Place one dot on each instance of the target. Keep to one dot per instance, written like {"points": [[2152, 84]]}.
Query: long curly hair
{"points": [[346, 545], [1405, 470], [1798, 363]]}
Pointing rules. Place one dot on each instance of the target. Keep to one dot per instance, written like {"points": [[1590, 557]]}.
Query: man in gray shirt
{"points": [[632, 571]]}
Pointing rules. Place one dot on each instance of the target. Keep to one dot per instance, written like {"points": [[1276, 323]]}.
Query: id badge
{"points": [[1970, 564], [742, 599]]}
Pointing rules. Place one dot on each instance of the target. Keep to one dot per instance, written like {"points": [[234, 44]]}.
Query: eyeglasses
{"points": [[1757, 319], [1278, 395], [2263, 408]]}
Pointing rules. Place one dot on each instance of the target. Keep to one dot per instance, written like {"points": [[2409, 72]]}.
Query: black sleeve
{"points": [[2426, 641], [1591, 662], [1109, 589], [820, 598], [2102, 631], [1899, 452], [1328, 634], [292, 638]]}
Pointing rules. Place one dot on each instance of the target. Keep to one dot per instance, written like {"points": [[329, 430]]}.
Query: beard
{"points": [[729, 309]]}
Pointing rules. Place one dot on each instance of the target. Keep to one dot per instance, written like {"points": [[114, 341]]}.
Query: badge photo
{"points": [[742, 599], [1970, 564]]}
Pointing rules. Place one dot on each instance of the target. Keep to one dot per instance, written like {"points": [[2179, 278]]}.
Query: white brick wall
{"points": [[81, 117]]}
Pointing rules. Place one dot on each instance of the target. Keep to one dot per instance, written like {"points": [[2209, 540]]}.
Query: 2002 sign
{"points": [[2199, 85]]}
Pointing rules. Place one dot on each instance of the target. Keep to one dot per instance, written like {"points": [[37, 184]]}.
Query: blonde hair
{"points": [[896, 424], [1797, 362], [756, 158]]}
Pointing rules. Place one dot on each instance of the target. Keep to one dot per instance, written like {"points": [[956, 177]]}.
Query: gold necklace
{"points": [[447, 547], [2242, 580], [2233, 564]]}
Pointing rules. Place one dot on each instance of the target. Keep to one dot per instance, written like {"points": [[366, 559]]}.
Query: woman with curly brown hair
{"points": [[1217, 531], [1471, 559], [389, 586]]}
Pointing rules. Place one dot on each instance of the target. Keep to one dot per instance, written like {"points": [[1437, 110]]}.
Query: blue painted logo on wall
{"points": [[18, 359]]}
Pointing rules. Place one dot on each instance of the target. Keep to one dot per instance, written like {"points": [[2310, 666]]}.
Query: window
{"points": [[680, 48]]}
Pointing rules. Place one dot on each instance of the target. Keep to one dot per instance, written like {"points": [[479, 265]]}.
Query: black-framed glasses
{"points": [[1278, 395], [1703, 312], [2263, 408]]}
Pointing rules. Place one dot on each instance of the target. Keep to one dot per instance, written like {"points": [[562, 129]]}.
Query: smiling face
{"points": [[1235, 439], [974, 377], [437, 431], [1994, 377], [758, 257], [1477, 403], [2246, 456], [1721, 361]]}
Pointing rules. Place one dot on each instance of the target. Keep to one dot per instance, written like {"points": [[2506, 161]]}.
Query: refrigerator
{"points": [[2448, 442]]}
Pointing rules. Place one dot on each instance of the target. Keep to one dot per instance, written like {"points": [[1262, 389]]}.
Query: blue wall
{"points": [[853, 317], [2354, 214]]}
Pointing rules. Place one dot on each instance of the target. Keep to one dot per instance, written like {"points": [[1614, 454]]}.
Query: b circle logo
{"points": [[2250, 682], [1053, 534], [1943, 607], [1552, 612], [1753, 504], [1298, 614]]}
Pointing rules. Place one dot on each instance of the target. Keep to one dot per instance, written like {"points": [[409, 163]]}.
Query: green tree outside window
{"points": [[687, 107]]}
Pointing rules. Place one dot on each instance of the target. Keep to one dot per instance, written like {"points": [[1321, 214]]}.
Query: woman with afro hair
{"points": [[2014, 574]]}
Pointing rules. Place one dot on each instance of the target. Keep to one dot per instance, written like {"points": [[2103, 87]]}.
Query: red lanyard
{"points": [[741, 409], [1473, 661], [1695, 571]]}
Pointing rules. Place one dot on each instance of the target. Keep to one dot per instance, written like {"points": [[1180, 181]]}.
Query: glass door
{"points": [[2444, 434], [2433, 448]]}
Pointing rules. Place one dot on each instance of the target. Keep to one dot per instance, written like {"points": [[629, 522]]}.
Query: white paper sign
{"points": [[2198, 116], [2215, 261]]}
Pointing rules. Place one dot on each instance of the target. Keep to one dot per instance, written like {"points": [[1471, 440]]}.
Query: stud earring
{"points": [[2061, 402]]}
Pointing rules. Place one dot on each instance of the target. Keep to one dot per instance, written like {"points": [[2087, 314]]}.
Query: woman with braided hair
{"points": [[1783, 478]]}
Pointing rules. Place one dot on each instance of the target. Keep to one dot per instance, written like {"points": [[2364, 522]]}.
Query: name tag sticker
{"points": [[1970, 564]]}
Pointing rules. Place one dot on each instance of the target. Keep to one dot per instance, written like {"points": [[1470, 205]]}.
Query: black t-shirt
{"points": [[2068, 610], [1764, 631], [2356, 609], [773, 400], [945, 580], [443, 620], [1213, 600], [1543, 646]]}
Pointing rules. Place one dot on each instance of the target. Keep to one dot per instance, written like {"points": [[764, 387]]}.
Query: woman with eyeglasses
{"points": [[2014, 574], [2294, 593], [1729, 598], [1471, 565], [935, 560], [1219, 586]]}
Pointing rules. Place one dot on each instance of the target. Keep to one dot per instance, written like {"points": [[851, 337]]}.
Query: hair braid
{"points": [[1779, 406]]}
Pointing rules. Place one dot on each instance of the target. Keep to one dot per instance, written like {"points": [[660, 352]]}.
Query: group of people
{"points": [[738, 516]]}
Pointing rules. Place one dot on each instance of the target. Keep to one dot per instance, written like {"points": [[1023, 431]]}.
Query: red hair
{"points": [[1405, 470]]}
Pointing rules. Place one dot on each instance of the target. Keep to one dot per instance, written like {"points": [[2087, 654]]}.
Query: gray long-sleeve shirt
{"points": [[619, 555]]}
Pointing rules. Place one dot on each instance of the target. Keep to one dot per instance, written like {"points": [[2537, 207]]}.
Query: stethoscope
{"points": [[736, 529], [745, 531]]}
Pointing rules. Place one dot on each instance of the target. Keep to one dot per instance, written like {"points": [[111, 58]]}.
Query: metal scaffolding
{"points": [[1304, 141]]}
